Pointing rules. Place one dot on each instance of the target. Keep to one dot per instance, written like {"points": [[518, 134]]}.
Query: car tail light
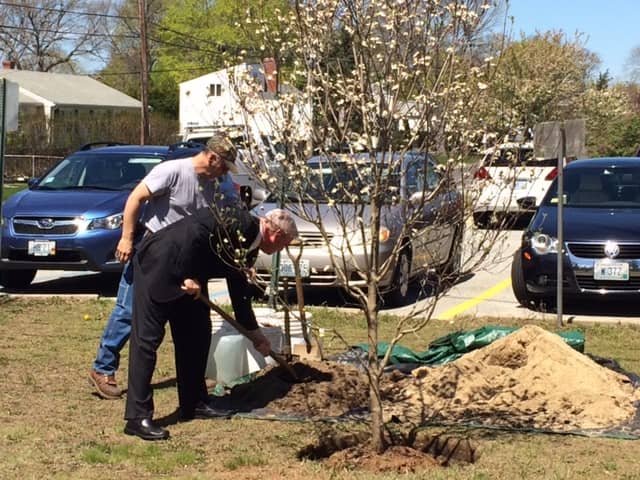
{"points": [[482, 174], [552, 174]]}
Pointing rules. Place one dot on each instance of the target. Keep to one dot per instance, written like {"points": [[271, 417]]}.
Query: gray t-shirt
{"points": [[176, 192]]}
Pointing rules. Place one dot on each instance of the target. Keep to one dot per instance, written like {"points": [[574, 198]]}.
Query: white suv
{"points": [[510, 181]]}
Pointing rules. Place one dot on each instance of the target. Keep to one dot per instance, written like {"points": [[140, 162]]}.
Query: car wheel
{"points": [[16, 278], [518, 285], [399, 293]]}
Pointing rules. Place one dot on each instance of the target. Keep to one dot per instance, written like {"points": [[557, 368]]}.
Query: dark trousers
{"points": [[191, 332]]}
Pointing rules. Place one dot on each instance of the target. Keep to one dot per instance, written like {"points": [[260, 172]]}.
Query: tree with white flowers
{"points": [[382, 80]]}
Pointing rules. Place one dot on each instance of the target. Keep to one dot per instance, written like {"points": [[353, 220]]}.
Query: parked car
{"points": [[70, 218], [601, 236], [510, 182], [433, 244]]}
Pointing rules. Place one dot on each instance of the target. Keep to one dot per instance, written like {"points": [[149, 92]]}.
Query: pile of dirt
{"points": [[323, 389], [528, 379]]}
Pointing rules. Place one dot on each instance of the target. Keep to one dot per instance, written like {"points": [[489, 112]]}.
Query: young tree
{"points": [[53, 35], [407, 80]]}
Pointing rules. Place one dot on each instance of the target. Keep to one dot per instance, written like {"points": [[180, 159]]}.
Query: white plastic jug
{"points": [[227, 357]]}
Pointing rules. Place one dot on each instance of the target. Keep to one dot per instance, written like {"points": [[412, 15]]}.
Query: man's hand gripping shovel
{"points": [[278, 358]]}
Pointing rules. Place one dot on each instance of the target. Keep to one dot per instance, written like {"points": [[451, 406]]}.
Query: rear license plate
{"points": [[604, 270], [41, 248], [521, 184], [287, 270]]}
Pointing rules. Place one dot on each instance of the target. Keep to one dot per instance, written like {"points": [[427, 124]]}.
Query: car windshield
{"points": [[349, 180], [342, 182], [605, 187], [112, 171]]}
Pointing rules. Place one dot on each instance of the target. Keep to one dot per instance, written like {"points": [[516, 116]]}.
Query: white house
{"points": [[58, 95], [246, 96]]}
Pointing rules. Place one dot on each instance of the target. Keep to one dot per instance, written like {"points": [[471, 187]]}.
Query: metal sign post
{"points": [[561, 140], [3, 103], [559, 265]]}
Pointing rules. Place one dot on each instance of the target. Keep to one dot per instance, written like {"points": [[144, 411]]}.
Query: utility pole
{"points": [[144, 73]]}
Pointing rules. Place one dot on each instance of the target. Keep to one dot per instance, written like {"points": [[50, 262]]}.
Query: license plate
{"points": [[603, 270], [287, 270], [522, 184], [41, 248]]}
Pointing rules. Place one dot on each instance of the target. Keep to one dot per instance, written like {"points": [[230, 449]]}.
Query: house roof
{"points": [[68, 90]]}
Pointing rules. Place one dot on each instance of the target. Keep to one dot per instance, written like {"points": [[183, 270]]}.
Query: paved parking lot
{"points": [[485, 292]]}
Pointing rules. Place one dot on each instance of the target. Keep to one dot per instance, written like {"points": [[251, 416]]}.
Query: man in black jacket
{"points": [[172, 268]]}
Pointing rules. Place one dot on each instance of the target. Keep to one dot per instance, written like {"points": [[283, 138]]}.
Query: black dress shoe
{"points": [[204, 410], [146, 429]]}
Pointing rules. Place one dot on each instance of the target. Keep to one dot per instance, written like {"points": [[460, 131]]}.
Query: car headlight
{"points": [[355, 238], [541, 243], [111, 222], [383, 235]]}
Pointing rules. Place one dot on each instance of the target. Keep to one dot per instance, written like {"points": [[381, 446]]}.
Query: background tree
{"points": [[540, 78], [53, 35], [194, 38]]}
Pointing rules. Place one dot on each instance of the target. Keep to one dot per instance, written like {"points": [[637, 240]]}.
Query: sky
{"points": [[609, 26]]}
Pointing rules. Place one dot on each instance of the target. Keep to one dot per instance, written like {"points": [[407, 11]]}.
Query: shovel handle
{"points": [[232, 321]]}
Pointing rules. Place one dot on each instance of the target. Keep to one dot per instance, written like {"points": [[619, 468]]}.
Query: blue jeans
{"points": [[118, 328]]}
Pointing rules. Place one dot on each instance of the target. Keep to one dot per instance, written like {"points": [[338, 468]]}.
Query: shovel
{"points": [[278, 358]]}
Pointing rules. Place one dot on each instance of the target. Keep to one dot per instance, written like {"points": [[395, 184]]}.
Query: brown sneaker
{"points": [[105, 385]]}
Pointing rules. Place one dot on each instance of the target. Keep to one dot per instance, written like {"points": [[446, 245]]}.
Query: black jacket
{"points": [[205, 245]]}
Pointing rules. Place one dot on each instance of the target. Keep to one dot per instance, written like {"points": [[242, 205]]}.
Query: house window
{"points": [[215, 90]]}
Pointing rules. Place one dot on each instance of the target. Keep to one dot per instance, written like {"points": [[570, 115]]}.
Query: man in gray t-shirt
{"points": [[175, 191], [171, 191]]}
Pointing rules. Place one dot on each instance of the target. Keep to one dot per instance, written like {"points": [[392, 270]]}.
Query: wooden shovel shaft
{"points": [[232, 321]]}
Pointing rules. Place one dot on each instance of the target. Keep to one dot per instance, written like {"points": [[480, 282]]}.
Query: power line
{"points": [[70, 35], [119, 17], [63, 33], [62, 10], [161, 70]]}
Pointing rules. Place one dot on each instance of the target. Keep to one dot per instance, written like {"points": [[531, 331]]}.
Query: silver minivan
{"points": [[332, 218]]}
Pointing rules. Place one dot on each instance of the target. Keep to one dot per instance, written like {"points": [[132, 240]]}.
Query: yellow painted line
{"points": [[452, 312]]}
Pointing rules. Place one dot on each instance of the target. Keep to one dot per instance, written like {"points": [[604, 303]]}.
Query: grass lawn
{"points": [[9, 189], [53, 427]]}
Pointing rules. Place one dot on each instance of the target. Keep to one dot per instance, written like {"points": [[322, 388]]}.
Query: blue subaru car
{"points": [[70, 218]]}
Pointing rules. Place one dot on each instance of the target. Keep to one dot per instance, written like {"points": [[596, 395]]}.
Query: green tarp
{"points": [[452, 346]]}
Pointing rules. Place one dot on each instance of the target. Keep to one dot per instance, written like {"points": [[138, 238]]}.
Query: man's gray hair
{"points": [[284, 221]]}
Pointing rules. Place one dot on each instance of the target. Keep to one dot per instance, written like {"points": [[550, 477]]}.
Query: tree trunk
{"points": [[375, 406]]}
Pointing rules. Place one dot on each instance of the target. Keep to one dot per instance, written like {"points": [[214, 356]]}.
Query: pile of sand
{"points": [[530, 378]]}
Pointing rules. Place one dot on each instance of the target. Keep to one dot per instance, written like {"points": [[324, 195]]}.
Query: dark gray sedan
{"points": [[601, 248]]}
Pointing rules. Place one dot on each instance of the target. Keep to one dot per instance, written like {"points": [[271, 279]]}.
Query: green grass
{"points": [[53, 427], [9, 189]]}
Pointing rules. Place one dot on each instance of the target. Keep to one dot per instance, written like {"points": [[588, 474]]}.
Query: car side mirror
{"points": [[32, 182], [246, 195], [259, 195]]}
